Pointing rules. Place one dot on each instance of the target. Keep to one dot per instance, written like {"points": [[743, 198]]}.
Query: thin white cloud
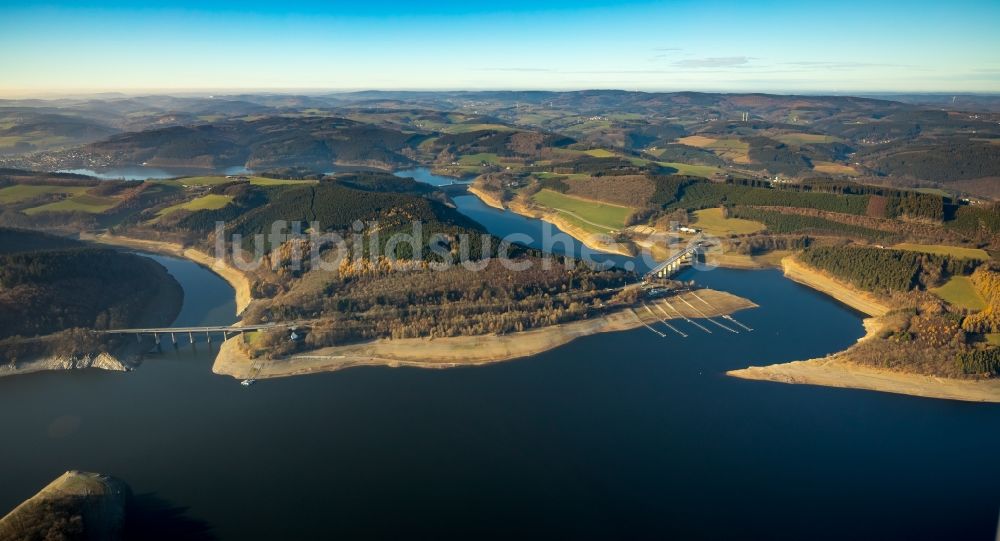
{"points": [[714, 62]]}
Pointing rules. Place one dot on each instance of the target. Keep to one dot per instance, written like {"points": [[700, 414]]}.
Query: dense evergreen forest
{"points": [[338, 208], [948, 161], [982, 222], [980, 361], [779, 223], [883, 270], [58, 284]]}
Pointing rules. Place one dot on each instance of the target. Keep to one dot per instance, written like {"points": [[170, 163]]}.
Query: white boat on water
{"points": [[248, 382]]}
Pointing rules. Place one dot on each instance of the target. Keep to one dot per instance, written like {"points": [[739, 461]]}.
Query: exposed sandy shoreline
{"points": [[833, 371], [487, 198], [861, 301], [234, 277], [837, 370], [468, 350]]}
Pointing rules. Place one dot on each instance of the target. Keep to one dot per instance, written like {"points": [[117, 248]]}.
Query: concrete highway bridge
{"points": [[673, 263], [225, 330]]}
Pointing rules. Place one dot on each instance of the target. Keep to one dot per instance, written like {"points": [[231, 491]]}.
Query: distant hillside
{"points": [[926, 141], [28, 130], [271, 142]]}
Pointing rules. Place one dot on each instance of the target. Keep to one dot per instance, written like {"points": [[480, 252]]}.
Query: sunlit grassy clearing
{"points": [[205, 202], [959, 291], [711, 221], [21, 192], [568, 176], [699, 141], [79, 202], [832, 168], [478, 159], [805, 138], [465, 128], [592, 216], [941, 249], [705, 171], [599, 153], [217, 179], [727, 148]]}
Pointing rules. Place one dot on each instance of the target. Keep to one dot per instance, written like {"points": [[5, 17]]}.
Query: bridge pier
{"points": [[208, 337], [138, 338], [191, 337]]}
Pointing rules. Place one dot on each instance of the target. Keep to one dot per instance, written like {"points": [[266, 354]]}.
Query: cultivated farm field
{"points": [[592, 216]]}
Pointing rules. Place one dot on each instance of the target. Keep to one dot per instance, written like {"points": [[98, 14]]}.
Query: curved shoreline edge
{"points": [[836, 370], [99, 501], [417, 352], [232, 276], [161, 310], [455, 351]]}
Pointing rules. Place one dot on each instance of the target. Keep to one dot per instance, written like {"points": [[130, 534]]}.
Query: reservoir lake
{"points": [[613, 435]]}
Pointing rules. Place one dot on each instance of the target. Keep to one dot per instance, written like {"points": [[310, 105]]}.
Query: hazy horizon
{"points": [[781, 47], [321, 92]]}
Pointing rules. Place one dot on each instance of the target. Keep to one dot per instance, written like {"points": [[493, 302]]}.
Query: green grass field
{"points": [[934, 191], [213, 180], [693, 170], [21, 192], [569, 176], [731, 149], [834, 168], [591, 216], [940, 249], [80, 202], [711, 221], [599, 153], [465, 128], [959, 291], [478, 159], [205, 202], [805, 138]]}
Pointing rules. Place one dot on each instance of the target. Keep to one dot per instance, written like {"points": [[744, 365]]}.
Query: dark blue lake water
{"points": [[615, 435]]}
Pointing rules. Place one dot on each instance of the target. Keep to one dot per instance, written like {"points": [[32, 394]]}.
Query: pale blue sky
{"points": [[849, 46]]}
